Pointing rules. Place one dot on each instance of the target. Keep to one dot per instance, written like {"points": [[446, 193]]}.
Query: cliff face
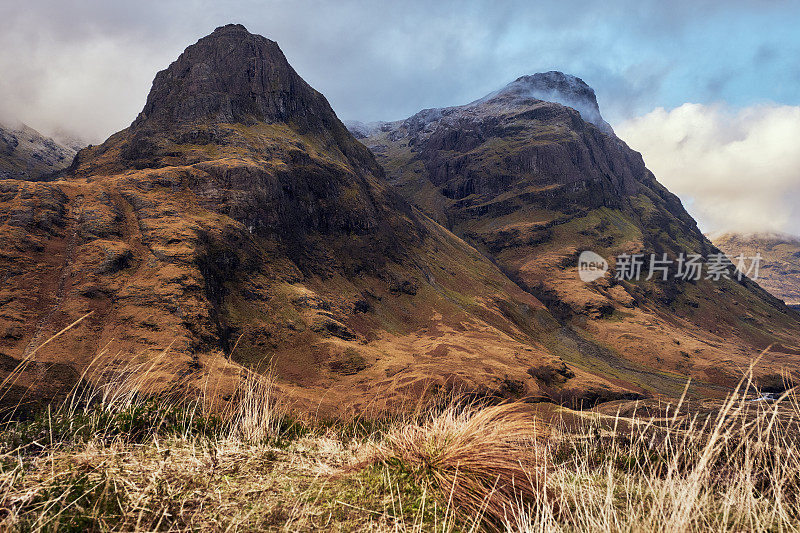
{"points": [[233, 76], [533, 183], [236, 222]]}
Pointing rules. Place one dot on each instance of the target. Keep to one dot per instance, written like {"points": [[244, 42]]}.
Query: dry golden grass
{"points": [[734, 469], [111, 458], [480, 459]]}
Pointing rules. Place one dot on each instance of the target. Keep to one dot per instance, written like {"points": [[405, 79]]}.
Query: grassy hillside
{"points": [[779, 271]]}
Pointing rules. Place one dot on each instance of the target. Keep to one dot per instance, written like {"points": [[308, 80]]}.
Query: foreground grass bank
{"points": [[117, 461]]}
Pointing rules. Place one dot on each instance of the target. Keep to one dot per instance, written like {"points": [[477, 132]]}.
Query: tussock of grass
{"points": [[732, 469], [480, 459]]}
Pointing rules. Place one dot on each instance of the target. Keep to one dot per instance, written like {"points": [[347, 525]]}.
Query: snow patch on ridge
{"points": [[557, 87]]}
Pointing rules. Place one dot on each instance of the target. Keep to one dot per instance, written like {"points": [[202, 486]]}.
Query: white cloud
{"points": [[734, 170]]}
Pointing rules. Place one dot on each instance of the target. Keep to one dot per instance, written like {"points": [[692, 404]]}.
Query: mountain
{"points": [[69, 139], [27, 154], [550, 86], [533, 183], [553, 86], [779, 271], [237, 223]]}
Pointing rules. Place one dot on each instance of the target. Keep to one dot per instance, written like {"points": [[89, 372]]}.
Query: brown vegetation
{"points": [[114, 459]]}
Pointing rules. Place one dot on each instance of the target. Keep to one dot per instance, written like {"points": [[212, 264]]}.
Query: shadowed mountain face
{"points": [[237, 222], [531, 184], [27, 154], [259, 145], [779, 271]]}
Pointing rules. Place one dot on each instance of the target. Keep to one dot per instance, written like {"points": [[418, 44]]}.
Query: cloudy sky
{"points": [[708, 91]]}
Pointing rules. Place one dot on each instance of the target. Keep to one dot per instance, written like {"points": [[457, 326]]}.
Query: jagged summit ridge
{"points": [[232, 76], [557, 87], [553, 86]]}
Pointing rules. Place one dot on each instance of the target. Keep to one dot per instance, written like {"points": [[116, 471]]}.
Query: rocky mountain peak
{"points": [[558, 87], [232, 76], [228, 79]]}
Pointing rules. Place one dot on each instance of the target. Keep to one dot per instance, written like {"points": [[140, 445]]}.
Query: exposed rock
{"points": [[327, 325], [403, 286], [556, 87], [362, 306], [586, 398], [552, 374], [116, 256], [233, 76], [361, 130]]}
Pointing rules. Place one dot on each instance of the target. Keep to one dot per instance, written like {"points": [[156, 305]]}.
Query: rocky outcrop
{"points": [[233, 76], [558, 87]]}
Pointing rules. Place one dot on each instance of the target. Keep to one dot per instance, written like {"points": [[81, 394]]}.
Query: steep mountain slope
{"points": [[27, 154], [779, 271], [237, 222], [532, 184]]}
